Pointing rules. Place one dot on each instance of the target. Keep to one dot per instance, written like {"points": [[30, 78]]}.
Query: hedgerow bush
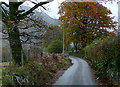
{"points": [[104, 55]]}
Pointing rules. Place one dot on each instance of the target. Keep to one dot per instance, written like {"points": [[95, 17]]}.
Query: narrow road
{"points": [[78, 74]]}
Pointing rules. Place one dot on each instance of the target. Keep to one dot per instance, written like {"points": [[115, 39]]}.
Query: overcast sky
{"points": [[53, 8]]}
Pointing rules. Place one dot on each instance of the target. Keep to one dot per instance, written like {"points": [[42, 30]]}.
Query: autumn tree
{"points": [[11, 19], [82, 22]]}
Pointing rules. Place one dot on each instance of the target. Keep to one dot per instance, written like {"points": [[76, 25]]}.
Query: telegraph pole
{"points": [[119, 25], [119, 19], [63, 38], [63, 42]]}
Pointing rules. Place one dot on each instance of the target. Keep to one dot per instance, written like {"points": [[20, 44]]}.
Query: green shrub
{"points": [[33, 73], [118, 63], [55, 47], [50, 73], [104, 55]]}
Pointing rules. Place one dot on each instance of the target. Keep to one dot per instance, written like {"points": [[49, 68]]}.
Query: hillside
{"points": [[42, 15]]}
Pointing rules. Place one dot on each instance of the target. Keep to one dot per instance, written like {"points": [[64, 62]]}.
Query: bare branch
{"points": [[33, 8], [4, 16], [5, 11], [33, 2], [36, 3], [43, 7], [5, 4], [19, 3]]}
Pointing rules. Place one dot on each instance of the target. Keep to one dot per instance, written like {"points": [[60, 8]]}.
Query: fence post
{"points": [[22, 57], [10, 60]]}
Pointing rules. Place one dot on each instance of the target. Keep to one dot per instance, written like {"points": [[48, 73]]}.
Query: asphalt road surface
{"points": [[78, 74]]}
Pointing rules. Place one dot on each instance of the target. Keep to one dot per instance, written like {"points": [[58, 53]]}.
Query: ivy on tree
{"points": [[11, 19]]}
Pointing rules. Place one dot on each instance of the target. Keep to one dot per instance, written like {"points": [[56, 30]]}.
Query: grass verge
{"points": [[34, 73]]}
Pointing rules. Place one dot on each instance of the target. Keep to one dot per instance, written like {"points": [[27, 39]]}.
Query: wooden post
{"points": [[0, 48], [63, 42], [22, 57], [10, 60]]}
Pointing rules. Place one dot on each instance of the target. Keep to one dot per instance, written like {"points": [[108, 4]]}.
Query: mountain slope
{"points": [[42, 15]]}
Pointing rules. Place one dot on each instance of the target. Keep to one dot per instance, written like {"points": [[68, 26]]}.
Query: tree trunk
{"points": [[11, 20], [75, 46], [16, 46]]}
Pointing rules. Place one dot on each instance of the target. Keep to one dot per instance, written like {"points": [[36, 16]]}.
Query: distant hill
{"points": [[42, 15]]}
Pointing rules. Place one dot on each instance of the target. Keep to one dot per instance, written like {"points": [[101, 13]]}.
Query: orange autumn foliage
{"points": [[85, 21]]}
